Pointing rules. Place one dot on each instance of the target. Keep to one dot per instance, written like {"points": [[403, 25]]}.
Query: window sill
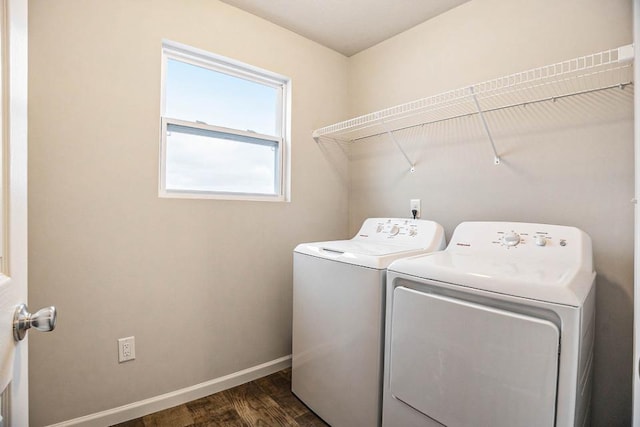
{"points": [[166, 194]]}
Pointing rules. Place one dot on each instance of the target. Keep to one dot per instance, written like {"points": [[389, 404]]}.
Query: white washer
{"points": [[338, 316], [497, 330]]}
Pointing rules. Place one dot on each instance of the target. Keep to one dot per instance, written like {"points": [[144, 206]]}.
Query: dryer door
{"points": [[465, 364]]}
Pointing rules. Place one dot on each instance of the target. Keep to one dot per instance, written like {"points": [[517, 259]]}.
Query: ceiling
{"points": [[347, 26]]}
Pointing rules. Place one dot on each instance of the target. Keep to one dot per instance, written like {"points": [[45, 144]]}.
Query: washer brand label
{"points": [[463, 244]]}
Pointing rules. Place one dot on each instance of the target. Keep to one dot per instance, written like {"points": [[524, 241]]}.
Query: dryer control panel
{"points": [[515, 240], [544, 262], [511, 238], [516, 236]]}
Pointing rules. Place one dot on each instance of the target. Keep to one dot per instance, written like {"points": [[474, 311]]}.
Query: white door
{"points": [[636, 292], [13, 208]]}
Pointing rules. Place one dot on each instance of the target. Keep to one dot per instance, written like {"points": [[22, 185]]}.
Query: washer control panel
{"points": [[400, 230], [395, 227]]}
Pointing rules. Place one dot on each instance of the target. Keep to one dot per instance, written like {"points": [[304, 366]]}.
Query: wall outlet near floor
{"points": [[415, 205], [126, 349]]}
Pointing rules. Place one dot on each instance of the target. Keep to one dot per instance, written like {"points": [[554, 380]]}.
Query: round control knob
{"points": [[540, 240], [394, 230], [511, 239]]}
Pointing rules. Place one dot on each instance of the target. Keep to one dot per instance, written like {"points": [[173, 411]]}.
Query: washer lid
{"points": [[512, 259], [366, 254], [380, 241]]}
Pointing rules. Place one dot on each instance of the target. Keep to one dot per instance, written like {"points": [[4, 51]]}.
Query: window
{"points": [[224, 128]]}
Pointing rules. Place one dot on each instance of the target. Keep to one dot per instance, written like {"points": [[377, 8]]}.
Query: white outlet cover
{"points": [[126, 349]]}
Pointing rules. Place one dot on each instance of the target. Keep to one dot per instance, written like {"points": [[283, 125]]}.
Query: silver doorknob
{"points": [[43, 320]]}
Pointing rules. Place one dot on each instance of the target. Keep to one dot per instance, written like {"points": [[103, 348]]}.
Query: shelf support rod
{"points": [[496, 158], [395, 141]]}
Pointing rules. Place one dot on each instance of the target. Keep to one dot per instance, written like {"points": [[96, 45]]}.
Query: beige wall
{"points": [[203, 285], [565, 163]]}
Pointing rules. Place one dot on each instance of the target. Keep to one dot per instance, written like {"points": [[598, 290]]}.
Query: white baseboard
{"points": [[177, 397]]}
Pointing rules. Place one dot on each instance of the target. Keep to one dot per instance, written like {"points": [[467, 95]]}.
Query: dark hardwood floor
{"points": [[266, 401]]}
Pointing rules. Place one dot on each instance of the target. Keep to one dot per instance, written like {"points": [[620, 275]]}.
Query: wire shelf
{"points": [[586, 74]]}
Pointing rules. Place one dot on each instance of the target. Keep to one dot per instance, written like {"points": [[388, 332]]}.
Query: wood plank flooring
{"points": [[266, 401]]}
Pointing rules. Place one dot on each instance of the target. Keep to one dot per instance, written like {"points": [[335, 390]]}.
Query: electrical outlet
{"points": [[415, 205], [126, 349]]}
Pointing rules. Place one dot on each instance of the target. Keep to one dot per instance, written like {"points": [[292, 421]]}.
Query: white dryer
{"points": [[497, 330], [338, 316]]}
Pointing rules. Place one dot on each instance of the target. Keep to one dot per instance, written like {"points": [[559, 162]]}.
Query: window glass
{"points": [[199, 94], [201, 160]]}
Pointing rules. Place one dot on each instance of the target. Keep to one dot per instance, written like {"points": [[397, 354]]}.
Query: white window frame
{"points": [[200, 58]]}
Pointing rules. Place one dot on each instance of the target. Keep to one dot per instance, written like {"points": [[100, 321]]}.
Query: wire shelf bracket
{"points": [[496, 158], [397, 144]]}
